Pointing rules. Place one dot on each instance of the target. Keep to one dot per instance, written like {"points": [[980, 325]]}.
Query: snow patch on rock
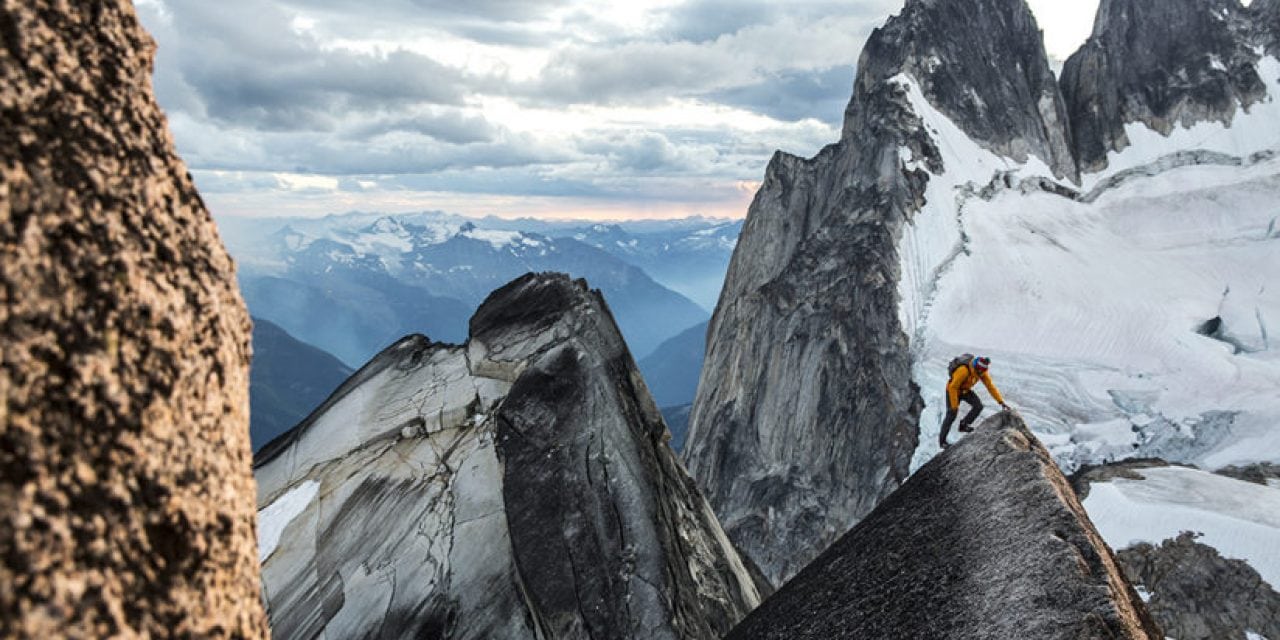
{"points": [[273, 518], [1250, 131]]}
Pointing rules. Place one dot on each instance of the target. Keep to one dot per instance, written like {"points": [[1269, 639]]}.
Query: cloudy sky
{"points": [[550, 108]]}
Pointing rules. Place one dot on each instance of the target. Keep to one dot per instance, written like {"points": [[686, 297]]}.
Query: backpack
{"points": [[961, 360]]}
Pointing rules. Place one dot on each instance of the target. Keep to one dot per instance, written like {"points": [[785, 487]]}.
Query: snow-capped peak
{"points": [[497, 238]]}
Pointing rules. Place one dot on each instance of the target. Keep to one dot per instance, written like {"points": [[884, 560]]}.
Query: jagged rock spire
{"points": [[983, 64], [516, 486], [806, 411]]}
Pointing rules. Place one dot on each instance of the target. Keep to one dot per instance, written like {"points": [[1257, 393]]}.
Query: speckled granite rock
{"points": [[1196, 594], [987, 540], [517, 486], [125, 487]]}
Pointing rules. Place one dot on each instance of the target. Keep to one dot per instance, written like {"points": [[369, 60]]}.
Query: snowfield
{"points": [[1239, 519], [1139, 318], [1095, 310]]}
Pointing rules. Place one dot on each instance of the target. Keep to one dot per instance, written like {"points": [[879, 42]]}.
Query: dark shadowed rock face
{"points": [[517, 486], [987, 540], [983, 63], [125, 482], [1163, 63], [806, 410], [1197, 594]]}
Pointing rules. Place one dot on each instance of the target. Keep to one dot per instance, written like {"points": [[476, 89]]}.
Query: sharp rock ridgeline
{"points": [[516, 486]]}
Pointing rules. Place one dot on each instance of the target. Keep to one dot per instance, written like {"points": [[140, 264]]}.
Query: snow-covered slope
{"points": [[1095, 304], [516, 486], [1129, 314], [1239, 519]]}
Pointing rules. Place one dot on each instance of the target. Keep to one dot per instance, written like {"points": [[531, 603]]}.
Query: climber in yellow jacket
{"points": [[965, 372]]}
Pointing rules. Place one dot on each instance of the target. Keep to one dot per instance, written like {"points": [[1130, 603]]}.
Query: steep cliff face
{"points": [[984, 64], [986, 541], [806, 411], [1162, 65], [125, 481], [516, 486]]}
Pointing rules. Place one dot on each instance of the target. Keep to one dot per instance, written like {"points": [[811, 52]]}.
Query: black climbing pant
{"points": [[975, 408]]}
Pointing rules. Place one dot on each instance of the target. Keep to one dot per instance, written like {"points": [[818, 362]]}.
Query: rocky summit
{"points": [[516, 486], [987, 540], [125, 482]]}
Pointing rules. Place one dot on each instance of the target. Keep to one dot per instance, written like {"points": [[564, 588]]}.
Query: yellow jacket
{"points": [[963, 380]]}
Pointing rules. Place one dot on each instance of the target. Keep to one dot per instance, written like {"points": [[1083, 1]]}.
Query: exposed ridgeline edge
{"points": [[1164, 64], [517, 486], [806, 415], [987, 540], [125, 482]]}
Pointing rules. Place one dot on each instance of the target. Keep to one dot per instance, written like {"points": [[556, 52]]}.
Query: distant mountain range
{"points": [[352, 284], [671, 371], [691, 262], [288, 379]]}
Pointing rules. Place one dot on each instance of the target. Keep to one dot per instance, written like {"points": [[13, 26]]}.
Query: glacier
{"points": [[1089, 303]]}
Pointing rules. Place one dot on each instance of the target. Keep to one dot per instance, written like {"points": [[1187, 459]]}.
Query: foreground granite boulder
{"points": [[126, 499], [517, 486], [987, 540]]}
